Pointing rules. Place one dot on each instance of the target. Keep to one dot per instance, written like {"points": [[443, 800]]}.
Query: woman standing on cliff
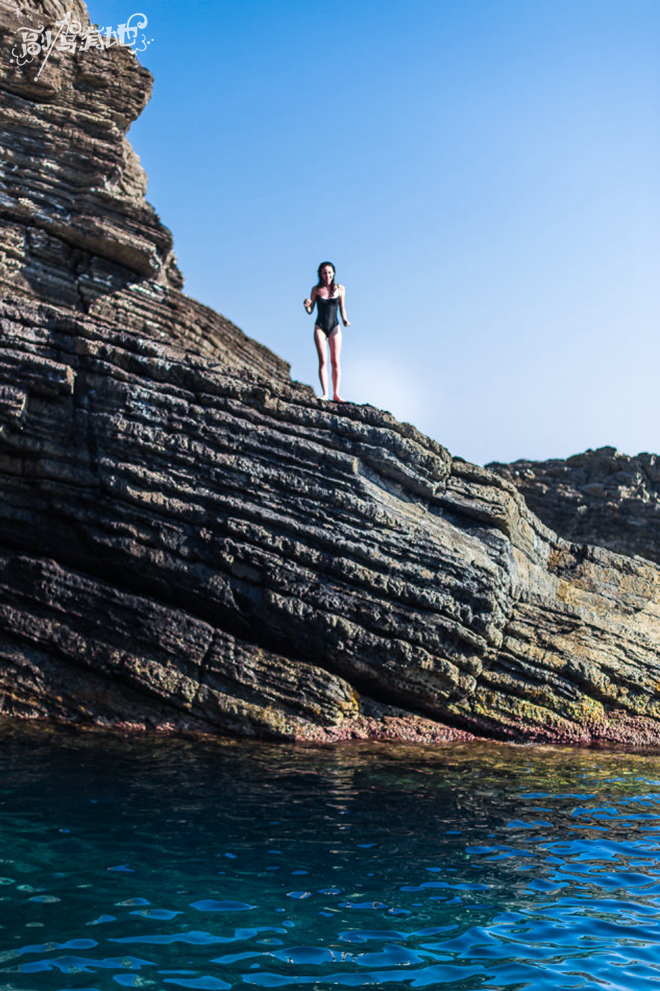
{"points": [[328, 295]]}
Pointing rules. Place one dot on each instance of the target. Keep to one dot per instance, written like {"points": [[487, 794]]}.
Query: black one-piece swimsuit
{"points": [[326, 317]]}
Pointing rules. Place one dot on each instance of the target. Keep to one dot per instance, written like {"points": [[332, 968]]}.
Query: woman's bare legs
{"points": [[335, 352], [320, 341]]}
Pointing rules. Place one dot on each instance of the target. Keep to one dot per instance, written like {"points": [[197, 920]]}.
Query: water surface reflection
{"points": [[147, 862]]}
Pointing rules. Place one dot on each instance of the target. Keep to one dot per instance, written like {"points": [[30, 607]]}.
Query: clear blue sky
{"points": [[485, 174]]}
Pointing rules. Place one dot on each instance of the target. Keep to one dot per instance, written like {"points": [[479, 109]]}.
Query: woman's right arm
{"points": [[309, 302]]}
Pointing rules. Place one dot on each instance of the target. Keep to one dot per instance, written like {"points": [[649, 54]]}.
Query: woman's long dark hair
{"points": [[332, 286]]}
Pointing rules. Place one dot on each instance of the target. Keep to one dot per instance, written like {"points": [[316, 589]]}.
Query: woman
{"points": [[328, 296]]}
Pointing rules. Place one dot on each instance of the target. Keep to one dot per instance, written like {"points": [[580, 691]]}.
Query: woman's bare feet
{"points": [[338, 399], [325, 396]]}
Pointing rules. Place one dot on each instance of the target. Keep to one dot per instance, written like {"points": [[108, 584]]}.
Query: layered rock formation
{"points": [[600, 497], [75, 227], [189, 539]]}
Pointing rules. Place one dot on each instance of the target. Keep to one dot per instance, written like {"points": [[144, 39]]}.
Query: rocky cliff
{"points": [[600, 497], [188, 539]]}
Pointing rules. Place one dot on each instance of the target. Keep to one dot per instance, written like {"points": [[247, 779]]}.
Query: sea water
{"points": [[168, 863]]}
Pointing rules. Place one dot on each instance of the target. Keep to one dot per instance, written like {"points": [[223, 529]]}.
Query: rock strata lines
{"points": [[190, 540]]}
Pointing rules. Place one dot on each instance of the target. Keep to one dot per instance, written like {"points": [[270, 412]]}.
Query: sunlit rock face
{"points": [[190, 540], [76, 230], [600, 497]]}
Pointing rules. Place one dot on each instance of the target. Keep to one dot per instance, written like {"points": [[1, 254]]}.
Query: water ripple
{"points": [[471, 868]]}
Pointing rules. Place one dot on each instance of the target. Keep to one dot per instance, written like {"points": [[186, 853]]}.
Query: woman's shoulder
{"points": [[342, 289]]}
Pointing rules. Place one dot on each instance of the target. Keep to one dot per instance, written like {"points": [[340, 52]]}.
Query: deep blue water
{"points": [[168, 863]]}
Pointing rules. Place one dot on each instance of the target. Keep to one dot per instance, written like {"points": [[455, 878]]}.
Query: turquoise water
{"points": [[169, 863]]}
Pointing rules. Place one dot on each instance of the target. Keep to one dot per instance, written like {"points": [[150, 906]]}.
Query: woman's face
{"points": [[327, 274]]}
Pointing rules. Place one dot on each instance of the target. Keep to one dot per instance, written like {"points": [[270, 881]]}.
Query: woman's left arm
{"points": [[342, 305]]}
